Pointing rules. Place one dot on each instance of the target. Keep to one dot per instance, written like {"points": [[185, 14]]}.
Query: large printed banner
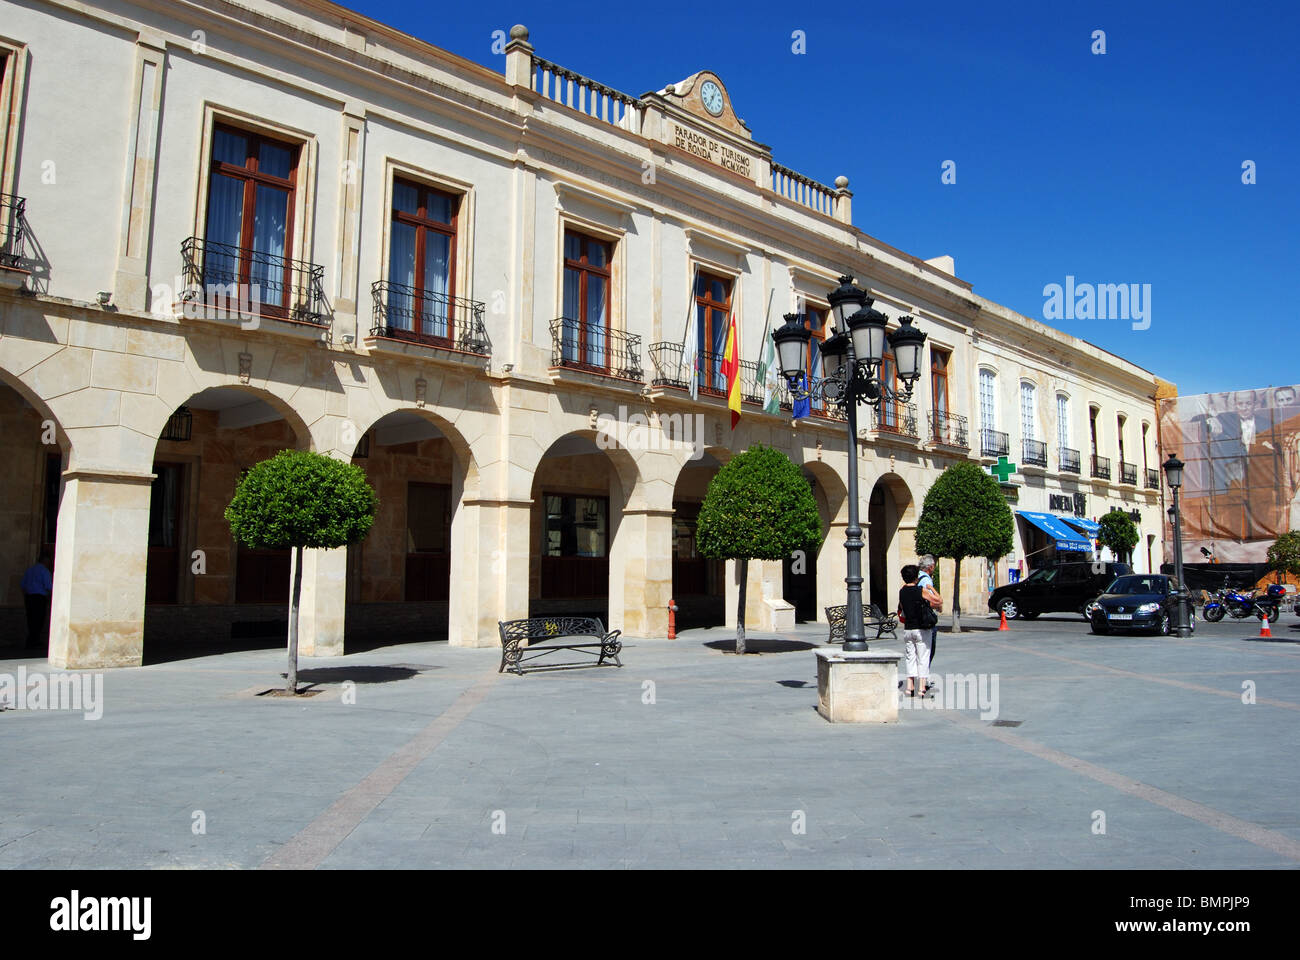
{"points": [[1241, 487]]}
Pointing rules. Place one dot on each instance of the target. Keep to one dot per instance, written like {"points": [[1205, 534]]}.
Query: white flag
{"points": [[691, 350], [768, 375]]}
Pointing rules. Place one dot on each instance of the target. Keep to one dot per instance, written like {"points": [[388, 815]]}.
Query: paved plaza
{"points": [[1128, 752]]}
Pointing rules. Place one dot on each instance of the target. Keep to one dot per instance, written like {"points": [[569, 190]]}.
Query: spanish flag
{"points": [[730, 368]]}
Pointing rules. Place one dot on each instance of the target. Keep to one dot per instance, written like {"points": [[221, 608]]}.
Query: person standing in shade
{"points": [[912, 607], [926, 582], [36, 585]]}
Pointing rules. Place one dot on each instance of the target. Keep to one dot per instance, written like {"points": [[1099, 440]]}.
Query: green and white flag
{"points": [[768, 376]]}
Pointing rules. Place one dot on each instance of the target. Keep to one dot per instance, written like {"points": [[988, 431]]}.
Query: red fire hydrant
{"points": [[672, 619]]}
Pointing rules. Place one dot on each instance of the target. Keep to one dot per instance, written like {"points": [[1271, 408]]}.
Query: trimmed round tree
{"points": [[1284, 553], [301, 500], [964, 515], [1119, 533], [759, 506]]}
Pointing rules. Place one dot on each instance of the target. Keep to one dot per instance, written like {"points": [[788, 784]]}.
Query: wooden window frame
{"points": [[711, 377], [585, 269], [939, 374], [422, 223], [252, 177]]}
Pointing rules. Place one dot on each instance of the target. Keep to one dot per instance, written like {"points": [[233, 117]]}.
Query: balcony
{"points": [[666, 359], [896, 419], [994, 443], [226, 282], [1034, 454], [949, 429], [1128, 473], [594, 348], [1101, 467], [1153, 478], [13, 241], [818, 408], [429, 319], [1071, 461]]}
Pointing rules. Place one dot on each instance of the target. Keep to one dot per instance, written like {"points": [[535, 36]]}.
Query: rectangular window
{"points": [[889, 380], [1062, 422], [422, 262], [988, 405], [939, 360], [1145, 428], [587, 277], [428, 559], [1028, 415], [1092, 428], [815, 321], [249, 229], [712, 308], [1119, 433], [576, 526]]}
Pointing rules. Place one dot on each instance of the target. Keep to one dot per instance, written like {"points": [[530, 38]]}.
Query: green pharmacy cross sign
{"points": [[1002, 470]]}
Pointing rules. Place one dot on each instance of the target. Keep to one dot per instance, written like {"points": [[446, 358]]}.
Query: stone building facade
{"points": [[234, 228]]}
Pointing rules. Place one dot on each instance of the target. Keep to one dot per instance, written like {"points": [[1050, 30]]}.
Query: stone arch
{"points": [[34, 450], [891, 515], [602, 560], [832, 497], [415, 576], [699, 584]]}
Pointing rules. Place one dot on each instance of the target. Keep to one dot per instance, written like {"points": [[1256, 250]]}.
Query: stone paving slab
{"points": [[688, 756]]}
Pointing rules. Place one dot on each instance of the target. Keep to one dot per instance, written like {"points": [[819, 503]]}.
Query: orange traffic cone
{"points": [[1003, 624], [1264, 631]]}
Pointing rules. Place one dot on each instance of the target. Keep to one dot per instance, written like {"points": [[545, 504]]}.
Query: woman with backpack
{"points": [[917, 617]]}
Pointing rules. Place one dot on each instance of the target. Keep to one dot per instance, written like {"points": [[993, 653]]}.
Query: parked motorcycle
{"points": [[1238, 605]]}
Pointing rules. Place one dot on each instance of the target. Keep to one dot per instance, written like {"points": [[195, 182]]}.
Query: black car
{"points": [[1062, 587], [1143, 601]]}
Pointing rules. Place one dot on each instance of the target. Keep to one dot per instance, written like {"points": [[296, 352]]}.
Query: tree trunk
{"points": [[956, 595], [291, 678], [740, 611]]}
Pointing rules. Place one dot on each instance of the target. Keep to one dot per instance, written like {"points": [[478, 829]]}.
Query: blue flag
{"points": [[802, 408]]}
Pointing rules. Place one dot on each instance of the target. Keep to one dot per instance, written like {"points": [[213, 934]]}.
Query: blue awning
{"points": [[1089, 527], [1054, 527]]}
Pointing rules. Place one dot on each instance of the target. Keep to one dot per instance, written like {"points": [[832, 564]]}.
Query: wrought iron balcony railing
{"points": [[250, 282], [1153, 478], [949, 429], [13, 231], [994, 443], [898, 419], [666, 359], [1128, 473], [1071, 460], [406, 313], [594, 348], [1101, 467], [1034, 453], [818, 407]]}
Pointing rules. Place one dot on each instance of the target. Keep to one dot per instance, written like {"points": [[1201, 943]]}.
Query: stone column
{"points": [[346, 318], [323, 604], [641, 560], [97, 611], [832, 564], [489, 569]]}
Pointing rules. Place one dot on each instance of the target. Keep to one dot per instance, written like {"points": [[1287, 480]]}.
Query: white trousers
{"points": [[916, 652]]}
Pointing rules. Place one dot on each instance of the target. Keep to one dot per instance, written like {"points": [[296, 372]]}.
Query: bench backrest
{"points": [[543, 628]]}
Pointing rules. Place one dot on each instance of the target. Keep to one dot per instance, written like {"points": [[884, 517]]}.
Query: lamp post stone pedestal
{"points": [[859, 687]]}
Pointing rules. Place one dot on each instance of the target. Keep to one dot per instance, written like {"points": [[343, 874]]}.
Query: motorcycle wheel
{"points": [[1212, 614], [1260, 613]]}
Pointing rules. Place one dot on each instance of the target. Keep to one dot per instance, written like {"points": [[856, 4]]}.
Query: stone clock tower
{"points": [[696, 117]]}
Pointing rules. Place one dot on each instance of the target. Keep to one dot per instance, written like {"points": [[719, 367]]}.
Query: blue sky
{"points": [[1117, 168]]}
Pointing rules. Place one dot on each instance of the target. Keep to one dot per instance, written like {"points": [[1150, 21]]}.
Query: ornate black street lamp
{"points": [[1173, 468], [851, 365]]}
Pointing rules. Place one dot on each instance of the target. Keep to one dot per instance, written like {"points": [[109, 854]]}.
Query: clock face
{"points": [[711, 94]]}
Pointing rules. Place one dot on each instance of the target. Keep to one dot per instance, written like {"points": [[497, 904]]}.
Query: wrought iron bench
{"points": [[540, 631], [838, 617]]}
